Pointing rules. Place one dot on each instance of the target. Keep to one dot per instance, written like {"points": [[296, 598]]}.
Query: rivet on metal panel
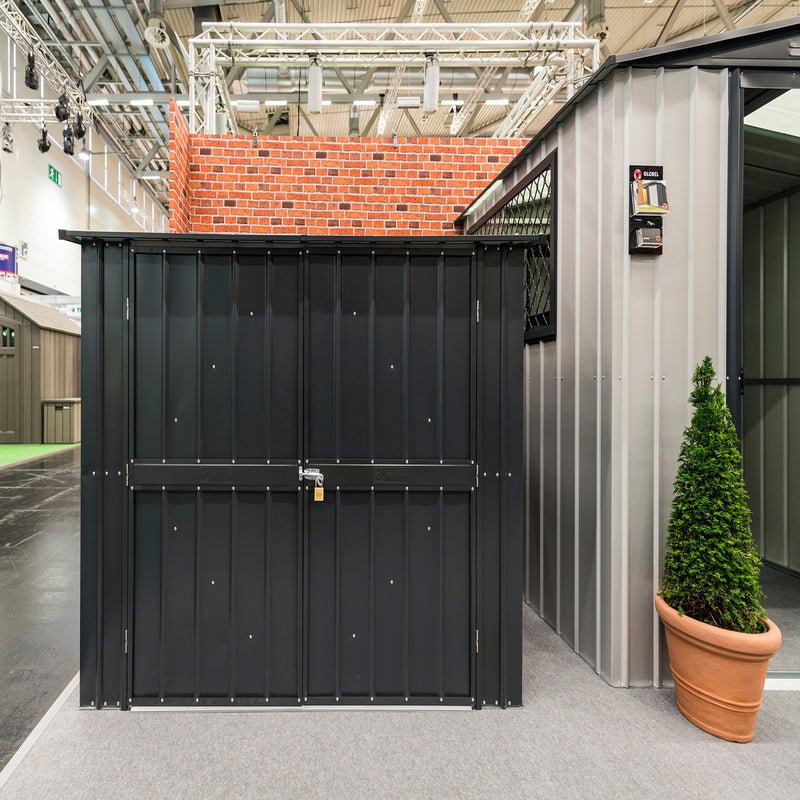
{"points": [[162, 699], [298, 488], [119, 474], [603, 377], [594, 378], [663, 377], [198, 460], [337, 460], [251, 313], [472, 699], [337, 699], [429, 419], [472, 488], [105, 703], [620, 378], [163, 251], [354, 313], [213, 366], [372, 699], [93, 472], [298, 699], [509, 474], [406, 699], [267, 488], [233, 488], [651, 377], [233, 461], [429, 527], [231, 699], [373, 252], [176, 419], [268, 461], [305, 699], [106, 473], [441, 699], [234, 252], [391, 366], [441, 488], [372, 488], [407, 253], [129, 700], [372, 461], [197, 699], [175, 527], [406, 488], [484, 474], [406, 461], [391, 582], [212, 583], [440, 461], [337, 488], [163, 488], [497, 474], [92, 702], [198, 488], [508, 703], [354, 636], [496, 703], [338, 252], [163, 460]]}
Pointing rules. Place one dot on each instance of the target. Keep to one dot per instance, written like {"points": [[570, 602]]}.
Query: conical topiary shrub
{"points": [[711, 565]]}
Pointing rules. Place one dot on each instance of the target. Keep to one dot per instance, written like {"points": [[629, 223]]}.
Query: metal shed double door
{"points": [[247, 370]]}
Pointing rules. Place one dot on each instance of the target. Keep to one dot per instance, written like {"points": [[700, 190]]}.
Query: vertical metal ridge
{"points": [[657, 317], [559, 301], [337, 358], [762, 390], [406, 357], [372, 594], [162, 587], [440, 664], [476, 372], [440, 356], [200, 347], [337, 595], [722, 224], [100, 499], [300, 446], [624, 608], [164, 352], [198, 506], [234, 518], [576, 379], [406, 687], [786, 390], [234, 353], [303, 510], [128, 414], [371, 355], [503, 487], [690, 243], [540, 346], [268, 354], [598, 531], [267, 594]]}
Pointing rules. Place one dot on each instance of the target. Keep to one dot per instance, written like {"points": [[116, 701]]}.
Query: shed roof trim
{"points": [[43, 316]]}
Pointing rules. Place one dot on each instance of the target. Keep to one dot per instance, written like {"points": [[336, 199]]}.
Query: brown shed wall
{"points": [[60, 365]]}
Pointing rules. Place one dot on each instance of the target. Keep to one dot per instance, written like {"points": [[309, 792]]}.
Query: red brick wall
{"points": [[342, 186], [179, 201]]}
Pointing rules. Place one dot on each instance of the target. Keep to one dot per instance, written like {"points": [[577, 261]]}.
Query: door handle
{"points": [[312, 474]]}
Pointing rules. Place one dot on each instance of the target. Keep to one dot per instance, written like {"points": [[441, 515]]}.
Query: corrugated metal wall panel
{"points": [[630, 331]]}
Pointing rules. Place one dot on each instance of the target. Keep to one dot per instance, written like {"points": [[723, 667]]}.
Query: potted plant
{"points": [[718, 635]]}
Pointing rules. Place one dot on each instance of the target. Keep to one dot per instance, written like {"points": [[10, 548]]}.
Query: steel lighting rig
{"points": [[22, 34], [560, 56]]}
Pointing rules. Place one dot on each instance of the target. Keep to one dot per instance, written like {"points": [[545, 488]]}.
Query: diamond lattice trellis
{"points": [[530, 213]]}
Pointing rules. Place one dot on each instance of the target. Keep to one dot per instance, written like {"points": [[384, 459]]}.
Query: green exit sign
{"points": [[54, 174]]}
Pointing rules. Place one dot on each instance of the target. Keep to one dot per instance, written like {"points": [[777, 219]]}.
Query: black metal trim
{"points": [[735, 246], [772, 381]]}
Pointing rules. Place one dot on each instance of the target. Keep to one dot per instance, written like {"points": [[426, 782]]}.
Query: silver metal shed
{"points": [[607, 383]]}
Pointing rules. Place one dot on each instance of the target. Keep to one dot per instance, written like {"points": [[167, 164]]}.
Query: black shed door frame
{"points": [[363, 485], [444, 487]]}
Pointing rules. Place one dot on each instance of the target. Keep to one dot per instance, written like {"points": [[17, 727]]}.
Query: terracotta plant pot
{"points": [[719, 675]]}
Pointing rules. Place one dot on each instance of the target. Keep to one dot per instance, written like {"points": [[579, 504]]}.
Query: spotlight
{"points": [[44, 143], [8, 138], [62, 109], [431, 94], [314, 87], [255, 138], [83, 154], [80, 128], [69, 141], [31, 78]]}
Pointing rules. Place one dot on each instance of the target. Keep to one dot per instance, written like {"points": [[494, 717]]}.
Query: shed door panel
{"points": [[390, 404], [217, 515]]}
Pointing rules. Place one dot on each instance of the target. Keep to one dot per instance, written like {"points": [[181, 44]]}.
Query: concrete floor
{"points": [[39, 574]]}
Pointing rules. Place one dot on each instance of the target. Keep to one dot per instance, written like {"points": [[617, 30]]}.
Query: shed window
{"points": [[8, 337], [528, 209]]}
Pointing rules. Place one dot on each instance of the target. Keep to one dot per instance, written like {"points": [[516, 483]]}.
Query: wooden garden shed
{"points": [[40, 359]]}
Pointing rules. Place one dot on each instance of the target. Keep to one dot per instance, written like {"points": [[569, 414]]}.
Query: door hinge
{"points": [[127, 308], [477, 311], [126, 640], [477, 474], [477, 640], [126, 474]]}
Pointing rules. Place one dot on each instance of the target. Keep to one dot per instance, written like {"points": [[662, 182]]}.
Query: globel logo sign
{"points": [[391, 475]]}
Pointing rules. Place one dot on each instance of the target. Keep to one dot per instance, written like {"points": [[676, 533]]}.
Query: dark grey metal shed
{"points": [[301, 471], [40, 359]]}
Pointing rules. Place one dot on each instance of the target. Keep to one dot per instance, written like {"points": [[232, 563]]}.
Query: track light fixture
{"points": [[31, 78], [80, 128], [69, 141], [431, 94], [8, 138], [62, 109], [44, 143], [83, 153], [314, 87], [255, 138]]}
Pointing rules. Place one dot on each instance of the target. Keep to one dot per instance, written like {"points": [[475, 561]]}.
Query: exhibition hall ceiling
{"points": [[130, 57]]}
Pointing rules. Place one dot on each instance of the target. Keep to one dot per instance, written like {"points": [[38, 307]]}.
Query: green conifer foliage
{"points": [[711, 564]]}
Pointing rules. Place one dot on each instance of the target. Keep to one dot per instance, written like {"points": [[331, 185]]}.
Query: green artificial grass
{"points": [[11, 453]]}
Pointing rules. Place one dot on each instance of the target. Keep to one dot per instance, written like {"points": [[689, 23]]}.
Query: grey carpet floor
{"points": [[783, 607], [575, 737]]}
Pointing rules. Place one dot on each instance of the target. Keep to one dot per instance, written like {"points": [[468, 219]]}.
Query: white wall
{"points": [[94, 195]]}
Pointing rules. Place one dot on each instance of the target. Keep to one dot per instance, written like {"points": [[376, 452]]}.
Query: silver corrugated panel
{"points": [[612, 395]]}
